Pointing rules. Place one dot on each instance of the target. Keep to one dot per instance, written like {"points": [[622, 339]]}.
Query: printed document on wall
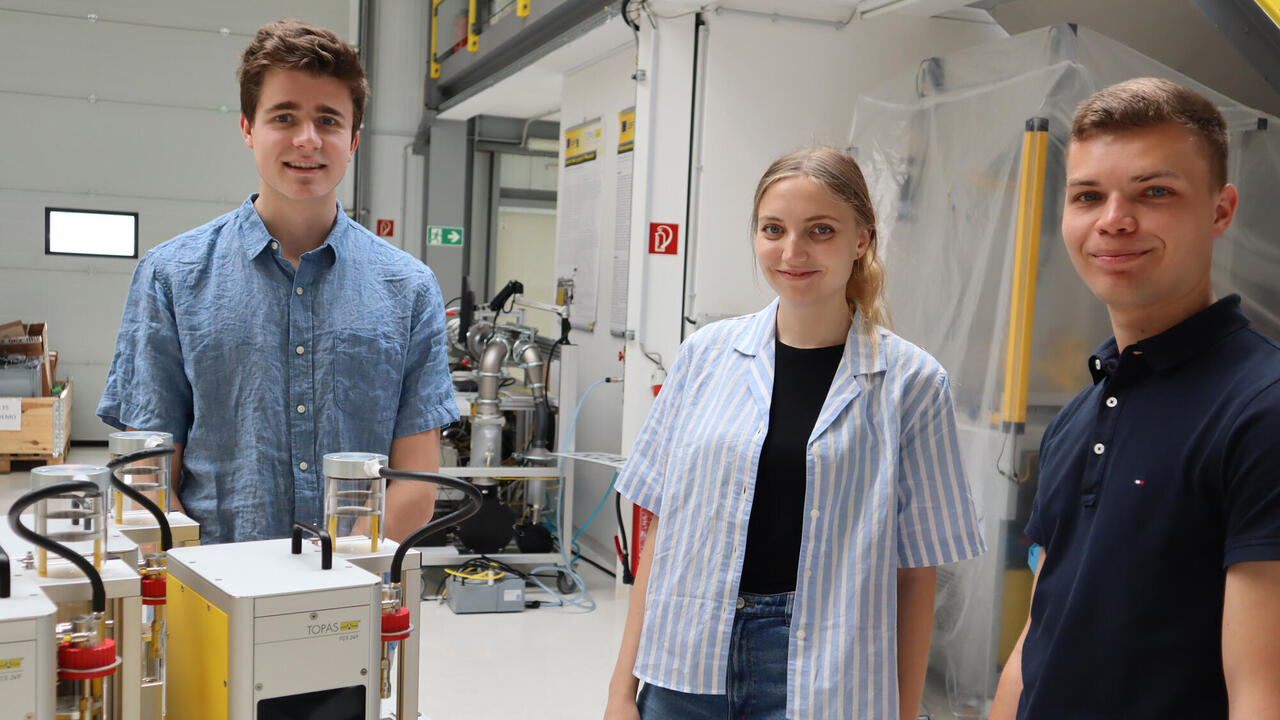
{"points": [[622, 222], [578, 231]]}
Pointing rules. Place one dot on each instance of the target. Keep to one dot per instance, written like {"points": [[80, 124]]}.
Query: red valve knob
{"points": [[395, 625], [86, 663], [153, 591]]}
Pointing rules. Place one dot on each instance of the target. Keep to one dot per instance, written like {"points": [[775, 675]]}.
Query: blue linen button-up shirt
{"points": [[884, 489], [260, 369]]}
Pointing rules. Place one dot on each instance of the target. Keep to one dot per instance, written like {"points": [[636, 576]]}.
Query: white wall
{"points": [[157, 141], [394, 175], [601, 90], [526, 243], [773, 87]]}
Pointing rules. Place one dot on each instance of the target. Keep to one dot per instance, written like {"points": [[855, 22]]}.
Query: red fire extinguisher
{"points": [[640, 520]]}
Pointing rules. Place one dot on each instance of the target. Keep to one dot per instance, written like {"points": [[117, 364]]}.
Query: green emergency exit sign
{"points": [[440, 235]]}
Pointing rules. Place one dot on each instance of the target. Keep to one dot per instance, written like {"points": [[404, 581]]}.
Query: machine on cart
{"points": [[510, 384]]}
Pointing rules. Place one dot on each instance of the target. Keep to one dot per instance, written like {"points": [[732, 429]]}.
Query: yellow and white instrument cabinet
{"points": [[256, 632], [27, 652]]}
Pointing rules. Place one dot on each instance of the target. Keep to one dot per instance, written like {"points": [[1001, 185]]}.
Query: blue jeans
{"points": [[757, 681]]}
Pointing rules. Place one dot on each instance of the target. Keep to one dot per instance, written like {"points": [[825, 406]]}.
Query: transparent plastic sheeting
{"points": [[942, 151]]}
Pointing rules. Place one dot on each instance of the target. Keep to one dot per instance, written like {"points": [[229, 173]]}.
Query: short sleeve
{"points": [[937, 522], [1252, 482], [426, 393], [147, 386], [641, 478]]}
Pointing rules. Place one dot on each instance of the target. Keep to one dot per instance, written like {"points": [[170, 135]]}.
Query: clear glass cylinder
{"points": [[75, 519], [355, 501], [150, 475], [154, 620]]}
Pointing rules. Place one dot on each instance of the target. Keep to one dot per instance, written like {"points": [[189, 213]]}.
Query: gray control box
{"points": [[477, 596]]}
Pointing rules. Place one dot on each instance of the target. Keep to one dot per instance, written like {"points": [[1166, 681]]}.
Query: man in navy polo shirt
{"points": [[1158, 593]]}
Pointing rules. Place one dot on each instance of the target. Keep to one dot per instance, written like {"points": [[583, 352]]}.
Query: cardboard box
{"points": [[33, 343], [46, 427]]}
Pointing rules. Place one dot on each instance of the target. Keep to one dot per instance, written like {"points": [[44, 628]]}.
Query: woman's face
{"points": [[806, 243]]}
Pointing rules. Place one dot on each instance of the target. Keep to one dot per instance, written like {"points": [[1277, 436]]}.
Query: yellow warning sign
{"points": [[626, 130], [582, 143]]}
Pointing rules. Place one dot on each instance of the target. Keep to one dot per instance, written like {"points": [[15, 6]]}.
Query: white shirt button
{"points": [[302, 409], [799, 634], [1097, 364], [813, 512], [299, 291], [275, 245], [299, 349], [1112, 402], [808, 573], [302, 465], [1099, 449]]}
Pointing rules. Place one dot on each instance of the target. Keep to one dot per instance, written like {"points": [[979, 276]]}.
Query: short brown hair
{"points": [[1147, 102], [837, 172], [295, 45]]}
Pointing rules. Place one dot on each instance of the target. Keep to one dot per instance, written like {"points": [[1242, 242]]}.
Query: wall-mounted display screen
{"points": [[103, 233]]}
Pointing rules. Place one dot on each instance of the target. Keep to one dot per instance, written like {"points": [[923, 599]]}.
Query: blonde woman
{"points": [[803, 466]]}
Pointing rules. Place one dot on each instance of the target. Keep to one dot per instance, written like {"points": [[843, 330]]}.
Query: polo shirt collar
{"points": [[255, 238], [1180, 342]]}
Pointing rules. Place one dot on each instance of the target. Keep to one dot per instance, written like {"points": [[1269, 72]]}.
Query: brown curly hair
{"points": [[295, 45]]}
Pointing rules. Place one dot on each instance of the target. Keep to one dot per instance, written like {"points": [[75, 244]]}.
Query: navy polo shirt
{"points": [[1153, 481]]}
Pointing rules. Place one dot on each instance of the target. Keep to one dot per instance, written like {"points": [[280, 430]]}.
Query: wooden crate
{"points": [[46, 431]]}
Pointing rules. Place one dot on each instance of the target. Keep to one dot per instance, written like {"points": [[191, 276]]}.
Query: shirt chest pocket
{"points": [[368, 372]]}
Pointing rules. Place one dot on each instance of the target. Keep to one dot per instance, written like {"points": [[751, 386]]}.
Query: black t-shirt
{"points": [[1153, 481], [801, 379]]}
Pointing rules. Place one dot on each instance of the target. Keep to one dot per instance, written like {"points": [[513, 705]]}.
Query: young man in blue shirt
{"points": [[284, 330], [1158, 590]]}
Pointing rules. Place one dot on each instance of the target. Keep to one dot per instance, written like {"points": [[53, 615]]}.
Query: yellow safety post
{"points": [[473, 38], [1026, 257], [522, 8], [434, 63], [1271, 8]]}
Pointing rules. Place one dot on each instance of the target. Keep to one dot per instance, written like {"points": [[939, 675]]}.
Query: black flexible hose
{"points": [[26, 533], [166, 535], [452, 518], [627, 577], [513, 287], [4, 573]]}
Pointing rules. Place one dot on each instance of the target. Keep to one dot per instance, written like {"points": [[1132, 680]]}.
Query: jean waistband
{"points": [[765, 605]]}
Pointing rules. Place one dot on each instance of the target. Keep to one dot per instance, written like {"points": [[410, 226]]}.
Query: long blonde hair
{"points": [[839, 173]]}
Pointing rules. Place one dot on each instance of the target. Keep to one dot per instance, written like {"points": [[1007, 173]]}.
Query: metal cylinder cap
{"points": [[125, 442], [49, 474], [353, 464]]}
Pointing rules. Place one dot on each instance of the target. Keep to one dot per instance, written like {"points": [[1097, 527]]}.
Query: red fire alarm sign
{"points": [[386, 228], [662, 238]]}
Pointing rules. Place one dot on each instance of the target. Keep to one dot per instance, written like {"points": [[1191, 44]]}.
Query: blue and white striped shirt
{"points": [[884, 490]]}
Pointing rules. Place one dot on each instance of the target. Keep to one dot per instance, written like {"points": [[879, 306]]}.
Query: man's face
{"points": [[301, 134], [1141, 216]]}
